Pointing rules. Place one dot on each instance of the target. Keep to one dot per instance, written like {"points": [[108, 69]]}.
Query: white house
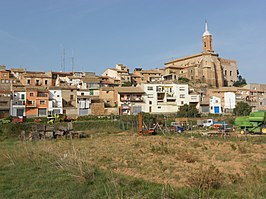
{"points": [[215, 105], [166, 98], [120, 72], [18, 102], [84, 97], [55, 101], [229, 101]]}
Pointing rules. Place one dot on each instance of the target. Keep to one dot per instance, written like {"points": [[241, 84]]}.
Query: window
{"points": [[150, 102], [37, 82], [46, 82], [42, 102], [150, 96], [181, 96], [159, 107], [22, 96], [28, 81], [150, 88], [7, 81], [2, 81], [71, 97], [82, 94], [182, 102], [230, 73], [225, 72], [31, 94], [181, 88], [193, 97], [42, 111]]}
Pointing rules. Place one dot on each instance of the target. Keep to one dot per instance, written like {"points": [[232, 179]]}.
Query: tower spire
{"points": [[207, 39], [206, 32]]}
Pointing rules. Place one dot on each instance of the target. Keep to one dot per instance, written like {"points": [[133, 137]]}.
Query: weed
{"points": [[242, 148], [206, 179], [186, 156], [233, 146], [162, 148]]}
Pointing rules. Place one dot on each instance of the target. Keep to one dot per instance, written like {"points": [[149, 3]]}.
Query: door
{"points": [[136, 110], [20, 112], [216, 109]]}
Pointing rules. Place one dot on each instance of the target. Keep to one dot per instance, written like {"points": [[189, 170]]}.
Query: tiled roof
{"points": [[129, 90]]}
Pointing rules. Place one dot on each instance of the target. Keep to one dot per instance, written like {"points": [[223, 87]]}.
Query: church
{"points": [[205, 67]]}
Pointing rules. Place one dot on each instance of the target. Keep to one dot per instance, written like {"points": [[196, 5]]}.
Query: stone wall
{"points": [[97, 108]]}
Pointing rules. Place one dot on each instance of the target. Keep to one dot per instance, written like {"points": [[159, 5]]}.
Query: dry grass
{"points": [[154, 158], [173, 161]]}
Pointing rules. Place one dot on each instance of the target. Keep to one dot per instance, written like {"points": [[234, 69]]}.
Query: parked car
{"points": [[176, 127], [226, 128]]}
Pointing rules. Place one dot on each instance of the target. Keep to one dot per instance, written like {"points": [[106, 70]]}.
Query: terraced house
{"points": [[37, 101]]}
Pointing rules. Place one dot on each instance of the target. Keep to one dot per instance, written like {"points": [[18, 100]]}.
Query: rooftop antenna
{"points": [[63, 57], [72, 62], [64, 60]]}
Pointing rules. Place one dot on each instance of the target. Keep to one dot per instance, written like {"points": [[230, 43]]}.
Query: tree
{"points": [[127, 83], [240, 82], [188, 111], [183, 79], [242, 109]]}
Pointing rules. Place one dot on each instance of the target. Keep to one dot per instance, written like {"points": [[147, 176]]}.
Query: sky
{"points": [[93, 35]]}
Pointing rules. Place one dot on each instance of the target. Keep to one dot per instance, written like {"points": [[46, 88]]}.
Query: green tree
{"points": [[127, 83], [242, 109], [183, 80], [188, 111], [240, 82]]}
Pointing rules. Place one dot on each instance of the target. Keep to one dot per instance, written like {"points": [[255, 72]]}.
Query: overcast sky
{"points": [[137, 33]]}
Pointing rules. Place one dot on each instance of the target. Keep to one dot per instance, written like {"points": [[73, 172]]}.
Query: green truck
{"points": [[254, 123]]}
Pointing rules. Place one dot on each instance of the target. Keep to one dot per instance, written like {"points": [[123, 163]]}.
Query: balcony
{"points": [[31, 104], [19, 102], [160, 90], [136, 99], [170, 96], [42, 95], [194, 98], [124, 99]]}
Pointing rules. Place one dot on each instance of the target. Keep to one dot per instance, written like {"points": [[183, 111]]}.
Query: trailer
{"points": [[254, 123]]}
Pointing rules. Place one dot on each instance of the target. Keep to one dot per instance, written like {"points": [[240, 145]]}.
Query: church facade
{"points": [[205, 67]]}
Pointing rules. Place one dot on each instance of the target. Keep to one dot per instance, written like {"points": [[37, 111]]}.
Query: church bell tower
{"points": [[207, 40]]}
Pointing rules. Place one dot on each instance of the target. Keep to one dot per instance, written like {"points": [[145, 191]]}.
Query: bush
{"points": [[206, 179]]}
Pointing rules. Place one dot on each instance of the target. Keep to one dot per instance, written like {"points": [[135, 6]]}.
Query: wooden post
{"points": [[140, 124]]}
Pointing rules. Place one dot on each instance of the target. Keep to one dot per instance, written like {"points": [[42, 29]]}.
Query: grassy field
{"points": [[124, 165]]}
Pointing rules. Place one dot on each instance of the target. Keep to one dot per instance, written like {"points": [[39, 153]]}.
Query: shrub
{"points": [[205, 179]]}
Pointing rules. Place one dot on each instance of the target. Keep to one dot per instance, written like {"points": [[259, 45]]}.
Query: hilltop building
{"points": [[205, 67]]}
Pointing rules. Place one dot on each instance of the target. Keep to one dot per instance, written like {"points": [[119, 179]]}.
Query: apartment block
{"points": [[167, 97], [130, 100]]}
